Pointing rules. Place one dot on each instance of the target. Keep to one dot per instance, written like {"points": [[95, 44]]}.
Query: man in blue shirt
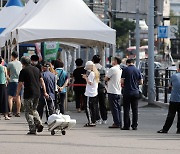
{"points": [[62, 83], [130, 80], [50, 83], [174, 105]]}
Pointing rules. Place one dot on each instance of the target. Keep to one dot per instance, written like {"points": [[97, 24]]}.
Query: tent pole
{"points": [[18, 49], [5, 50], [87, 56], [9, 53], [79, 52], [94, 50], [74, 57]]}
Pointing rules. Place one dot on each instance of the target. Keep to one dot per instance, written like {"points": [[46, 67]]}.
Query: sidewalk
{"points": [[98, 140]]}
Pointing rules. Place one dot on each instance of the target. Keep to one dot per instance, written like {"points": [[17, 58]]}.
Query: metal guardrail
{"points": [[162, 82]]}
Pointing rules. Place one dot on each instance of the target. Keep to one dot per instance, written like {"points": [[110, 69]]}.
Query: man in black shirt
{"points": [[31, 78]]}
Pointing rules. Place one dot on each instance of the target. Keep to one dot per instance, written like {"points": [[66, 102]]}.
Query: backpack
{"points": [[101, 85]]}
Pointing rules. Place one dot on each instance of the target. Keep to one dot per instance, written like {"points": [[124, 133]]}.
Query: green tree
{"points": [[173, 18], [122, 28]]}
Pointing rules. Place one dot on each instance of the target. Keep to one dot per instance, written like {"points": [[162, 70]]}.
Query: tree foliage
{"points": [[122, 28]]}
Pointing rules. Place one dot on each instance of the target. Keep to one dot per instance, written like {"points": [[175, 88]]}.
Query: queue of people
{"points": [[44, 85]]}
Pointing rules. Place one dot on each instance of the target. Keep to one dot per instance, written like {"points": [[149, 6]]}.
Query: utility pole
{"points": [[137, 34], [151, 92]]}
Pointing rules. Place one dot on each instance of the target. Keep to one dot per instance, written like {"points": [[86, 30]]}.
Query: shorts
{"points": [[12, 88]]}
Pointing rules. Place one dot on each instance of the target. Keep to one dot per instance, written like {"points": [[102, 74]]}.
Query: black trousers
{"points": [[130, 101], [50, 106], [79, 98], [173, 108], [90, 108], [101, 106], [60, 102]]}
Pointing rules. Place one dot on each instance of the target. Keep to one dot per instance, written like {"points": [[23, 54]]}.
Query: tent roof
{"points": [[64, 20], [10, 12], [6, 34], [14, 3]]}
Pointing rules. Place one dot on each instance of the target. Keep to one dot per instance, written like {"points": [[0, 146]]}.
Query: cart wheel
{"points": [[63, 132], [52, 132]]}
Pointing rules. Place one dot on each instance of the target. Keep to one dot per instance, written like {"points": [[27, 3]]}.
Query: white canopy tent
{"points": [[6, 34], [63, 20], [8, 14]]}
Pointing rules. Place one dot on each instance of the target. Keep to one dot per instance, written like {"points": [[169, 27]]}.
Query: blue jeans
{"points": [[115, 106]]}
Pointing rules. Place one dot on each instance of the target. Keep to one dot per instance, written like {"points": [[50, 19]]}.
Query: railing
{"points": [[162, 82]]}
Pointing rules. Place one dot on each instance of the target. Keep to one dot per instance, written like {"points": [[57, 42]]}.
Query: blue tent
{"points": [[9, 13]]}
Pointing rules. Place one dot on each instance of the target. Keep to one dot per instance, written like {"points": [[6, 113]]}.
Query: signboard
{"points": [[50, 50], [128, 8], [173, 30], [163, 32]]}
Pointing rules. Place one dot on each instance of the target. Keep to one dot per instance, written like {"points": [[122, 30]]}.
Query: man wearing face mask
{"points": [[35, 62]]}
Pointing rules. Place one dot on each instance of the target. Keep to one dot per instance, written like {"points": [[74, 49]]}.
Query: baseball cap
{"points": [[88, 63], [46, 64]]}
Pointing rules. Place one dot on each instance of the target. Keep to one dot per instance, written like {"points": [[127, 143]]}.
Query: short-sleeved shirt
{"points": [[91, 90], [131, 76], [62, 77], [14, 68], [175, 93], [77, 74], [30, 75], [114, 83], [50, 83]]}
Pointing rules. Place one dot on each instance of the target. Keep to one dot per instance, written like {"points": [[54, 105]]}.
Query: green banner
{"points": [[50, 50]]}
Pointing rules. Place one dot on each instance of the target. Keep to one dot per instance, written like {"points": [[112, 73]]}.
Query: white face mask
{"points": [[34, 62]]}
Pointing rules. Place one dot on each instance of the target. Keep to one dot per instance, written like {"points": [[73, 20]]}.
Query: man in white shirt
{"points": [[113, 79]]}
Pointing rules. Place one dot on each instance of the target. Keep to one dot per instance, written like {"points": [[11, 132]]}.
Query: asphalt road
{"points": [[98, 140]]}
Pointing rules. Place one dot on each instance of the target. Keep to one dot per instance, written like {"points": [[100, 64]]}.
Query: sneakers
{"points": [[10, 114], [162, 131], [114, 126], [125, 128], [78, 110], [17, 115], [99, 122], [104, 122], [31, 133]]}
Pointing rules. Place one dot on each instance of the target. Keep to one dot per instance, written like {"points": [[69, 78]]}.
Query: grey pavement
{"points": [[97, 140]]}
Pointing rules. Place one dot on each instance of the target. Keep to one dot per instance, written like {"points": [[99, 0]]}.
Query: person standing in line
{"points": [[62, 83], [113, 79], [30, 77], [174, 104], [101, 98], [50, 83], [35, 62], [79, 90], [130, 80], [4, 109], [14, 67], [91, 92]]}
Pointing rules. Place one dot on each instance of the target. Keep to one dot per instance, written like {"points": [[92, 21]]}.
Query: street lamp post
{"points": [[151, 92], [137, 34]]}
